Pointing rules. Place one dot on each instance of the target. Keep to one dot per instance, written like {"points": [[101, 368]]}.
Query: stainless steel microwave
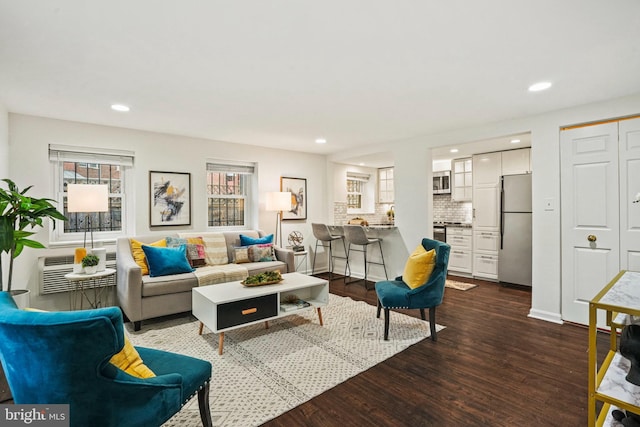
{"points": [[442, 182]]}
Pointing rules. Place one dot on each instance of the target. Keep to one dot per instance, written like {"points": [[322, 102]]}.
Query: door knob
{"points": [[592, 238]]}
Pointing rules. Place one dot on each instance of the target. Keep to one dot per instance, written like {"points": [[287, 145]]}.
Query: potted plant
{"points": [[90, 263], [17, 212]]}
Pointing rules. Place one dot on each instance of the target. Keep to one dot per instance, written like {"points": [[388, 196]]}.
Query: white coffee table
{"points": [[231, 305]]}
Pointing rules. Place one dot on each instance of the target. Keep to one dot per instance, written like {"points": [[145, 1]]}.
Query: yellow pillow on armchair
{"points": [[129, 360], [419, 267]]}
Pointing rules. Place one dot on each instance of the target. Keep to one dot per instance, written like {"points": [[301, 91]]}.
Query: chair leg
{"points": [[386, 324], [315, 254], [346, 267], [330, 261], [365, 267], [432, 323], [203, 404], [382, 258], [379, 309], [422, 314]]}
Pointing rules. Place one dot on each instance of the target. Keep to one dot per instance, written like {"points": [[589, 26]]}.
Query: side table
{"points": [[300, 258], [84, 283]]}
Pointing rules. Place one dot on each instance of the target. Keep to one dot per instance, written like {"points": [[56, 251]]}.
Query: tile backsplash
{"points": [[444, 209], [340, 215]]}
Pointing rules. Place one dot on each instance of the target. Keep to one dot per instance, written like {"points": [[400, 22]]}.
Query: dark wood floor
{"points": [[491, 366]]}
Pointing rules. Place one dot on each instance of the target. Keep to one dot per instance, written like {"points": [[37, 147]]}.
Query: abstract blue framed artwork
{"points": [[170, 198]]}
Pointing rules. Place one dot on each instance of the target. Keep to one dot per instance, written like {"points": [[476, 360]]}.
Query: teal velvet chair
{"points": [[63, 358], [396, 294]]}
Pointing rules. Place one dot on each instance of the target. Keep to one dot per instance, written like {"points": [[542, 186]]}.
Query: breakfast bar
{"points": [[393, 248]]}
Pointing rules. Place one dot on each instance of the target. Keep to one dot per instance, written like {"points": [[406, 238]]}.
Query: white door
{"points": [[590, 220], [629, 186]]}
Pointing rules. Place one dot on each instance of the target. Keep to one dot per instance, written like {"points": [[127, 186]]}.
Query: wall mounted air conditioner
{"points": [[53, 268]]}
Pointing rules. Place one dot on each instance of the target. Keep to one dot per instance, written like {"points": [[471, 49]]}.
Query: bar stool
{"points": [[324, 237], [356, 235]]}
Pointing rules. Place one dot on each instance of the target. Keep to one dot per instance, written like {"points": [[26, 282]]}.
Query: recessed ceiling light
{"points": [[515, 141], [537, 87], [454, 150], [321, 141], [361, 164], [120, 107]]}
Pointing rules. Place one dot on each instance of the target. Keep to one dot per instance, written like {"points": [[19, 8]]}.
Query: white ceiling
{"points": [[282, 73]]}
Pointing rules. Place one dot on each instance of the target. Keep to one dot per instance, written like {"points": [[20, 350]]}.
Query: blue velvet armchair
{"points": [[396, 294], [63, 358]]}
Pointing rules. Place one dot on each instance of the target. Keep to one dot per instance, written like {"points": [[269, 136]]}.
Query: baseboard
{"points": [[546, 316]]}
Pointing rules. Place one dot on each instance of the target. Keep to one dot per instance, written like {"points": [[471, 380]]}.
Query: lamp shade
{"points": [[87, 198], [278, 201]]}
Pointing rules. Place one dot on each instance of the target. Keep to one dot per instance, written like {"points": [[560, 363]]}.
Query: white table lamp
{"points": [[278, 201], [89, 198]]}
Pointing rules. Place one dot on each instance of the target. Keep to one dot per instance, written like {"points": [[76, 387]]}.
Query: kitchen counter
{"points": [[453, 224], [339, 231]]}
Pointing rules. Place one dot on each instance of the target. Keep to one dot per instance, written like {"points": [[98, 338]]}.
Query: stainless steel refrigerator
{"points": [[514, 258]]}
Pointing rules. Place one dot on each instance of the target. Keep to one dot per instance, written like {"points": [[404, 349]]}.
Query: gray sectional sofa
{"points": [[143, 297]]}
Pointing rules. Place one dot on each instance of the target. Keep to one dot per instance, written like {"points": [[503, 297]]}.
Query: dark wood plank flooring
{"points": [[491, 366]]}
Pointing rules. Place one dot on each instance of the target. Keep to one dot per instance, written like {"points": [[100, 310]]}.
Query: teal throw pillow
{"points": [[248, 241], [165, 261]]}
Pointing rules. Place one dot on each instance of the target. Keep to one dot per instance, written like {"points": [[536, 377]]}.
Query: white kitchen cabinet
{"points": [[486, 206], [462, 170], [485, 266], [487, 169], [515, 162], [461, 254], [487, 241], [385, 185]]}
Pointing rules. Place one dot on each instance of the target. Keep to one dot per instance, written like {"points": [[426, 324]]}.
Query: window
{"points": [[354, 194], [360, 197], [79, 165], [228, 194]]}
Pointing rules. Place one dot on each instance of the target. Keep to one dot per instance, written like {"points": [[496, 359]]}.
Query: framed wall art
{"points": [[170, 198], [298, 189]]}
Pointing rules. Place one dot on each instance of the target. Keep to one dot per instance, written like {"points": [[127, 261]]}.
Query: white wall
{"points": [[28, 142], [4, 142], [413, 173]]}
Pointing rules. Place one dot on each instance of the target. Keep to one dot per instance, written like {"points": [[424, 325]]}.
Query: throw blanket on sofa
{"points": [[214, 274]]}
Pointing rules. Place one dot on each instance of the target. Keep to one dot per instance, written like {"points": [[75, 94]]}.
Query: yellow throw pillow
{"points": [[419, 267], [138, 253], [129, 361]]}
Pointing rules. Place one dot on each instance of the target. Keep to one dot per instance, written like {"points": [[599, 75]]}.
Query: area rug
{"points": [[266, 372], [461, 286]]}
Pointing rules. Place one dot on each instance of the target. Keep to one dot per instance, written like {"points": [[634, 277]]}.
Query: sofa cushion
{"points": [[241, 254], [215, 249], [248, 240], [195, 248], [261, 253], [162, 285], [167, 261], [138, 253], [232, 239]]}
